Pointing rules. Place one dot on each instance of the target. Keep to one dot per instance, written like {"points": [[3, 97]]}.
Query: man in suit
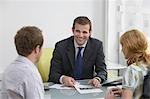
{"points": [[63, 64]]}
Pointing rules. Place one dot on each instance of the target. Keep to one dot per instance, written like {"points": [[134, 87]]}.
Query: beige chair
{"points": [[43, 64]]}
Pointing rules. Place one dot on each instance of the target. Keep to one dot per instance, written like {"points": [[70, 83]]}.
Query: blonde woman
{"points": [[134, 46]]}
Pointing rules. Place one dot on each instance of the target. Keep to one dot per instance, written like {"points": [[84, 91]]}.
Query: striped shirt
{"points": [[133, 79]]}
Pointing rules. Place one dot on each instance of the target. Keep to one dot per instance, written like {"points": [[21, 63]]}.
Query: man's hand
{"points": [[95, 82], [68, 81]]}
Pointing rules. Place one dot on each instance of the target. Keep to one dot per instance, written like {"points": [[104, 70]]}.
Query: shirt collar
{"points": [[25, 60]]}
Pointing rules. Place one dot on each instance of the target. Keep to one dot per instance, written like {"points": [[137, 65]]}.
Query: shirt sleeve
{"points": [[131, 79]]}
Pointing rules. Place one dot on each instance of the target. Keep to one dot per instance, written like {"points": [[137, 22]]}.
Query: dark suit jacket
{"points": [[63, 60]]}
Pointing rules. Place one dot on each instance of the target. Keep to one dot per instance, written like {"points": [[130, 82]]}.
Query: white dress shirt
{"points": [[21, 80]]}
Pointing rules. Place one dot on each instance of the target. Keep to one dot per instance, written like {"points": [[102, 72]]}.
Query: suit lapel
{"points": [[86, 55], [87, 52], [71, 52]]}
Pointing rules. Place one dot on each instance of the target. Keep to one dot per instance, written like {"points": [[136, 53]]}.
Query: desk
{"points": [[73, 94]]}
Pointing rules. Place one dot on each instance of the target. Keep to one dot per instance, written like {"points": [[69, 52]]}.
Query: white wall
{"points": [[54, 17]]}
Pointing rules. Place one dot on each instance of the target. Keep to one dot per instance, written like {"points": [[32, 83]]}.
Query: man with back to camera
{"points": [[21, 79], [68, 64]]}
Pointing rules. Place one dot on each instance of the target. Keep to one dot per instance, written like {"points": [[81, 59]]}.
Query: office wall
{"points": [[54, 17], [0, 36]]}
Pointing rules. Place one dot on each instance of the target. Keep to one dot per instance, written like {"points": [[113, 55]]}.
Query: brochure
{"points": [[83, 89]]}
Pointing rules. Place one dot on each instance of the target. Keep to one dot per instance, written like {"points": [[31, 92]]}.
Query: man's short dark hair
{"points": [[27, 39], [83, 20]]}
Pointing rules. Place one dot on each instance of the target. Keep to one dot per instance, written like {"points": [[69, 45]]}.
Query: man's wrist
{"points": [[98, 78], [61, 79]]}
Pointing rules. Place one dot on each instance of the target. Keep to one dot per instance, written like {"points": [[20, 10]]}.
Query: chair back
{"points": [[43, 64]]}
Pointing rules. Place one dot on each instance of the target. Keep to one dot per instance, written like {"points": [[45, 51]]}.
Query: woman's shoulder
{"points": [[140, 67]]}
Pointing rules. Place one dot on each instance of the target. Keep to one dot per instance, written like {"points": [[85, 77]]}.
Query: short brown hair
{"points": [[27, 38], [83, 20]]}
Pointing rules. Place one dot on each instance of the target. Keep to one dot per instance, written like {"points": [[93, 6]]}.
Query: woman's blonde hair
{"points": [[135, 44]]}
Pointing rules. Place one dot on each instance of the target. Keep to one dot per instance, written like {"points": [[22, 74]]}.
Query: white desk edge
{"points": [[113, 66]]}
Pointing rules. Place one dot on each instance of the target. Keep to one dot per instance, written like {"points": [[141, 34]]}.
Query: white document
{"points": [[83, 89], [60, 86]]}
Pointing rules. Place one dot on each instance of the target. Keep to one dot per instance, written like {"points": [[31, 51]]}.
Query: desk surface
{"points": [[73, 94]]}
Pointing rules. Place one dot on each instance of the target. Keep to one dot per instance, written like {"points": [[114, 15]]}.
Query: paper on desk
{"points": [[83, 89], [60, 86]]}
